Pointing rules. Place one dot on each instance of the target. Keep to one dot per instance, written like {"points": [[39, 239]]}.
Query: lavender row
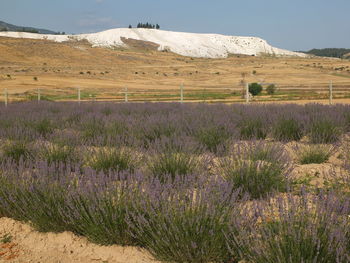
{"points": [[190, 183], [192, 219], [139, 125]]}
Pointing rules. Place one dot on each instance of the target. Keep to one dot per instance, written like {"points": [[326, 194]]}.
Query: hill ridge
{"points": [[10, 27], [182, 43]]}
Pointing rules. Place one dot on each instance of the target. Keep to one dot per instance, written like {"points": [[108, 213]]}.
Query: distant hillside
{"points": [[330, 52], [9, 27], [185, 44]]}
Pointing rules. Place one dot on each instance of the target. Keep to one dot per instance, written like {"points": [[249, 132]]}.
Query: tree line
{"points": [[329, 52], [28, 30], [147, 25]]}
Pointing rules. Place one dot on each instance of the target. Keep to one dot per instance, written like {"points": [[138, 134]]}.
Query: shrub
{"points": [[212, 137], [107, 111], [256, 168], [64, 203], [347, 121], [16, 151], [171, 164], [155, 130], [43, 127], [59, 154], [314, 154], [252, 128], [346, 155], [324, 131], [33, 199], [88, 204], [295, 229], [287, 130], [271, 89], [255, 89], [185, 225], [113, 159], [93, 128], [114, 129], [100, 212], [170, 158]]}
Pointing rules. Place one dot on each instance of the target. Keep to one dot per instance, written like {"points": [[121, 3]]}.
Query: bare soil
{"points": [[29, 246]]}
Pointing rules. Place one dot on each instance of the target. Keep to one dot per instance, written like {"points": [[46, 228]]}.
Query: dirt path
{"points": [[26, 245]]}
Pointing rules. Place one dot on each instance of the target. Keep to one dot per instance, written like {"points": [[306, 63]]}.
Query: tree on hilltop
{"points": [[148, 25]]}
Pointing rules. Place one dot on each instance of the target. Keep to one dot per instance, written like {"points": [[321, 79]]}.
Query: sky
{"points": [[290, 24]]}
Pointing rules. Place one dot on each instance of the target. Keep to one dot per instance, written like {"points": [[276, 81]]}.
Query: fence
{"points": [[321, 92]]}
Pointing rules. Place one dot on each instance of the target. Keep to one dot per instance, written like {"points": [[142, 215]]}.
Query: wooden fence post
{"points": [[247, 93], [79, 96], [331, 92], [126, 99], [182, 93], [6, 97]]}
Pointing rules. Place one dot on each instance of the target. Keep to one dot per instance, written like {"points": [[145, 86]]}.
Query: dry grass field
{"points": [[58, 69]]}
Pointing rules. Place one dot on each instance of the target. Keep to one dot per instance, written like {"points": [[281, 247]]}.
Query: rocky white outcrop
{"points": [[186, 44]]}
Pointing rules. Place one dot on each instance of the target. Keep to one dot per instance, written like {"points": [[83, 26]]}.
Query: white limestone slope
{"points": [[186, 44]]}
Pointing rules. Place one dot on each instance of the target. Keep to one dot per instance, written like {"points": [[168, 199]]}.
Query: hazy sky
{"points": [[290, 24]]}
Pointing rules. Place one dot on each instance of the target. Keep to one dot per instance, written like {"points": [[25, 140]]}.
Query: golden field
{"points": [[59, 69]]}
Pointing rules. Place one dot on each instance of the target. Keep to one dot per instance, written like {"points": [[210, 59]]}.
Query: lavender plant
{"points": [[212, 137], [324, 131], [292, 229], [98, 210], [287, 130], [58, 154], [317, 153], [16, 151], [43, 127], [52, 199], [34, 196], [257, 168], [92, 128], [180, 224], [252, 129], [185, 198], [112, 159], [171, 158]]}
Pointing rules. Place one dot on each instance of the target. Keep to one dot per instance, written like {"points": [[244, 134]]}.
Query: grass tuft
{"points": [[112, 159], [16, 151], [314, 154], [256, 168]]}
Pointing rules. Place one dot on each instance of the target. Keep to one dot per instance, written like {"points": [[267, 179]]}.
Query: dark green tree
{"points": [[255, 88]]}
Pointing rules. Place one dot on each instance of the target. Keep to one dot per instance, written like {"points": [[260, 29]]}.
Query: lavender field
{"points": [[188, 182]]}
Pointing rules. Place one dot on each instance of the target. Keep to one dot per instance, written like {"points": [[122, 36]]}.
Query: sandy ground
{"points": [[28, 245]]}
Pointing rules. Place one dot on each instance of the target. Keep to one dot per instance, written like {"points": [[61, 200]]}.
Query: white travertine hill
{"points": [[186, 44]]}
